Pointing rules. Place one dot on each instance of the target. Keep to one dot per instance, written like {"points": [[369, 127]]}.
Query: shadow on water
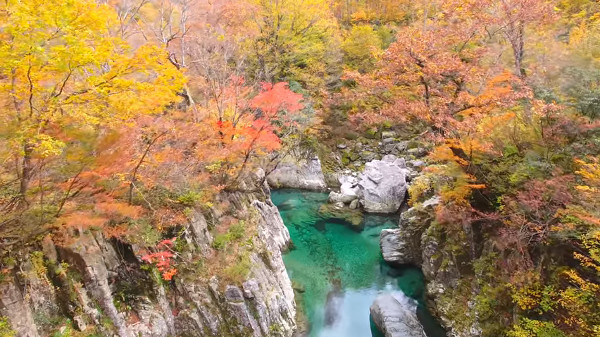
{"points": [[340, 270]]}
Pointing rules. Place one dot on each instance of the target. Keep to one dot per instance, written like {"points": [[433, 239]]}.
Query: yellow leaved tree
{"points": [[63, 76]]}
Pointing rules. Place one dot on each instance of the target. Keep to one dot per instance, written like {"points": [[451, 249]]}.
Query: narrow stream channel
{"points": [[339, 269]]}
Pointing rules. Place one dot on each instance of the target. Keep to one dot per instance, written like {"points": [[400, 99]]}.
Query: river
{"points": [[339, 270]]}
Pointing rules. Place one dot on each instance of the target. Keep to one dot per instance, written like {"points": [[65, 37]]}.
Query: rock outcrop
{"points": [[419, 241], [298, 173], [402, 245], [100, 284], [380, 188], [395, 315], [15, 308], [396, 250]]}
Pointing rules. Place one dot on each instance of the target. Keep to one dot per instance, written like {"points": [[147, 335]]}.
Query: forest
{"points": [[124, 117]]}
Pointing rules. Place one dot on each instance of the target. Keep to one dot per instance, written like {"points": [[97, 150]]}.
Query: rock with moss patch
{"points": [[336, 211], [403, 245], [388, 134]]}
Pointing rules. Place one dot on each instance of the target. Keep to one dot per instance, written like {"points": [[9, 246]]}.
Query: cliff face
{"points": [[97, 285], [420, 241]]}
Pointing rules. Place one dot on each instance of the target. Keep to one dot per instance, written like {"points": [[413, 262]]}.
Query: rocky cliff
{"points": [[98, 285], [419, 240]]}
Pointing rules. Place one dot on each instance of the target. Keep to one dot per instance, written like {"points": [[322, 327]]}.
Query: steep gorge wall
{"points": [[446, 260], [102, 287]]}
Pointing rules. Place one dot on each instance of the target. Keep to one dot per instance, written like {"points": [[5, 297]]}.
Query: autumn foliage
{"points": [[99, 131], [163, 259], [131, 117], [512, 158]]}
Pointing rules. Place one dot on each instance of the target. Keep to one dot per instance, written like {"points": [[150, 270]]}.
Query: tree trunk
{"points": [[26, 171], [518, 46]]}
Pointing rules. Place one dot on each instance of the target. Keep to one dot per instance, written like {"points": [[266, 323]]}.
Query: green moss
{"points": [[349, 156], [238, 272], [190, 198], [146, 235], [236, 232], [5, 328], [372, 133], [275, 330], [39, 265], [220, 241], [353, 216]]}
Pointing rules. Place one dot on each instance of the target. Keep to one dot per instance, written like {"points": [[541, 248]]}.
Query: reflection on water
{"points": [[340, 268]]}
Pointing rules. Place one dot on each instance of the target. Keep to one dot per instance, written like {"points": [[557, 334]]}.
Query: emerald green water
{"points": [[339, 268]]}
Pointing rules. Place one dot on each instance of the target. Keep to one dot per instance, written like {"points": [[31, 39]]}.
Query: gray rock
{"points": [[200, 233], [402, 146], [79, 323], [151, 322], [263, 301], [418, 152], [417, 164], [401, 162], [298, 173], [368, 155], [389, 148], [403, 245], [38, 291], [233, 294], [382, 185], [94, 255], [354, 204], [342, 146], [16, 309], [388, 134], [349, 190], [335, 197], [395, 315], [250, 288], [388, 140], [396, 250]]}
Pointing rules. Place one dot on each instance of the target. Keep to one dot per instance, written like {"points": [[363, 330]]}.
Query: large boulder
{"points": [[349, 190], [298, 173], [383, 185], [403, 245], [395, 315], [396, 249]]}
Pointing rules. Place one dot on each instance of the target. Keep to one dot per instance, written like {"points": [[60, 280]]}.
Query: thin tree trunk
{"points": [[139, 164], [26, 171]]}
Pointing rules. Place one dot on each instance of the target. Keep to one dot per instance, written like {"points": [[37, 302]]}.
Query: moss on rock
{"points": [[353, 216]]}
